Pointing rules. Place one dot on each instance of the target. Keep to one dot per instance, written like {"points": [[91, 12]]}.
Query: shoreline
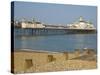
{"points": [[31, 50]]}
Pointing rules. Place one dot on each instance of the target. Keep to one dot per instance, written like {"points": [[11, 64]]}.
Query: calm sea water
{"points": [[68, 42]]}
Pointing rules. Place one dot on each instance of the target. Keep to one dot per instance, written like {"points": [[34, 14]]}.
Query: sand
{"points": [[39, 62]]}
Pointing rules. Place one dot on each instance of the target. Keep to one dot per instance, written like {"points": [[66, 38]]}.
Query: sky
{"points": [[54, 13]]}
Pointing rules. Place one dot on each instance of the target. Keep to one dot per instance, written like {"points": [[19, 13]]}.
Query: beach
{"points": [[25, 61]]}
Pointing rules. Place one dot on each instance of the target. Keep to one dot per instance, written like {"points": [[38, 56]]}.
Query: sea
{"points": [[58, 43]]}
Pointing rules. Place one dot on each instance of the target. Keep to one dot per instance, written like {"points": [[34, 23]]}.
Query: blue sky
{"points": [[54, 13]]}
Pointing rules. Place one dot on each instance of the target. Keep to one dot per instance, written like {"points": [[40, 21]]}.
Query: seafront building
{"points": [[80, 24], [27, 24]]}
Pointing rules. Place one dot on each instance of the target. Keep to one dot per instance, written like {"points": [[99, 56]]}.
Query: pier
{"points": [[38, 28]]}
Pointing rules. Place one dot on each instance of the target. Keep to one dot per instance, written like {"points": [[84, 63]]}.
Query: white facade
{"points": [[31, 25], [81, 24]]}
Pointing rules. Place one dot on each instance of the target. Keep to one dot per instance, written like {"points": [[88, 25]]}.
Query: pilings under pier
{"points": [[49, 31]]}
